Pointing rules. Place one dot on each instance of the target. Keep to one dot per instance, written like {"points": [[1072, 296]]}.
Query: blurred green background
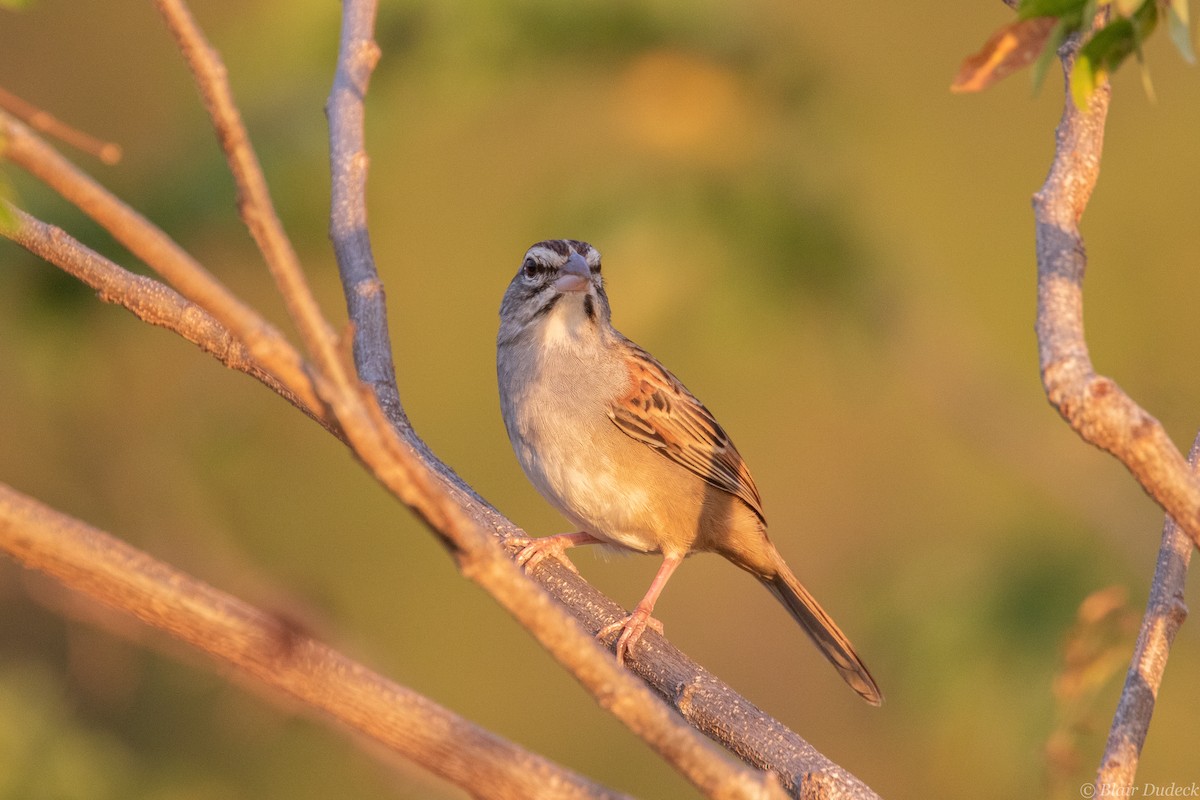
{"points": [[832, 251]]}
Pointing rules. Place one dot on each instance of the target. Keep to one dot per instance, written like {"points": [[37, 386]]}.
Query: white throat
{"points": [[566, 325]]}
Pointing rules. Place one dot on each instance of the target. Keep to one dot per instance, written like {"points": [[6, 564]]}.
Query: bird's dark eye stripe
{"points": [[532, 267]]}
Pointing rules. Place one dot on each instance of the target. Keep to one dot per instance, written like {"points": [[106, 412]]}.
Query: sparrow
{"points": [[624, 451]]}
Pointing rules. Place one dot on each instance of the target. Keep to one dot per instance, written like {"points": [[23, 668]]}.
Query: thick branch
{"points": [[704, 702], [465, 523], [348, 161], [374, 441], [1094, 405], [276, 652], [1165, 613]]}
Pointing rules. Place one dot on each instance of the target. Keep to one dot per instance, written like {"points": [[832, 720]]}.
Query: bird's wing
{"points": [[660, 412]]}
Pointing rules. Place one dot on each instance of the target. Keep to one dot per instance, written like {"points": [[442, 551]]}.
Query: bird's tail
{"points": [[824, 632]]}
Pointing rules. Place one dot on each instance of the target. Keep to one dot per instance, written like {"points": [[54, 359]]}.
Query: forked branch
{"points": [[373, 424], [1104, 415]]}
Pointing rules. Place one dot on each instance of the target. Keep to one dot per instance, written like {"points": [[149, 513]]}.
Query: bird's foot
{"points": [[531, 551], [631, 629]]}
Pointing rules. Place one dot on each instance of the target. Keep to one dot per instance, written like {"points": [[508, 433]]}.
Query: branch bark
{"points": [[1104, 415], [1165, 613], [703, 701], [279, 654], [382, 439], [153, 302], [1094, 405], [706, 703], [159, 252]]}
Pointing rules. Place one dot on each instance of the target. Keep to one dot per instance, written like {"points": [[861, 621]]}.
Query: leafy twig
{"points": [[1102, 414]]}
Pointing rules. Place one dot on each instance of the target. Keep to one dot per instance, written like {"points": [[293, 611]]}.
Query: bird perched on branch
{"points": [[624, 451]]}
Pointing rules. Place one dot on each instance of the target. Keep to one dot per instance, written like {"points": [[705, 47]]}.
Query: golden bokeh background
{"points": [[830, 249]]}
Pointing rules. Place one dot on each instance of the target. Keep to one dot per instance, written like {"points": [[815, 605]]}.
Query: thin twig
{"points": [[1094, 405], [44, 121], [464, 521], [154, 302], [1165, 613], [700, 701], [254, 198], [279, 654], [159, 252], [705, 702]]}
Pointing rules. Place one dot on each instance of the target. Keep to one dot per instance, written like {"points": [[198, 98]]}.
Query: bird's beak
{"points": [[575, 275]]}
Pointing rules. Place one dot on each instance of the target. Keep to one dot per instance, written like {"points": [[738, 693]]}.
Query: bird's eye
{"points": [[532, 269]]}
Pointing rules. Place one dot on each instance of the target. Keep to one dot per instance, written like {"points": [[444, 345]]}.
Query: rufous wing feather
{"points": [[660, 412]]}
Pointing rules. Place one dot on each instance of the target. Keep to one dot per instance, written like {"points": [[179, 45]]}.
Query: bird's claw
{"points": [[631, 629], [533, 551]]}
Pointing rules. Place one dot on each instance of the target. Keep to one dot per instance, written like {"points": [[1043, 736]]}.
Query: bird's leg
{"points": [[632, 626], [533, 551]]}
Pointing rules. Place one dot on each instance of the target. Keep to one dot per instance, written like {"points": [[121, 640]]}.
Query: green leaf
{"points": [[1108, 47], [15, 5], [1178, 28], [1051, 8], [1144, 21], [1038, 73], [1086, 75]]}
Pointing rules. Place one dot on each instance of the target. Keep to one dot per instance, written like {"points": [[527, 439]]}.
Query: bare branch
{"points": [[1102, 414], [1094, 405], [41, 120], [254, 198], [279, 654], [155, 303], [157, 250], [1165, 613], [365, 300], [466, 523], [705, 702]]}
